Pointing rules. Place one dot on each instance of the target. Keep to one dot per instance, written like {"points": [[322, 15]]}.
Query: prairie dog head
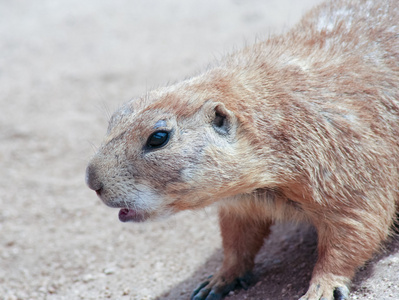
{"points": [[178, 148]]}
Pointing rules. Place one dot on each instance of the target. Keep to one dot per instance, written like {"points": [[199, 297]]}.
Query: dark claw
{"points": [[341, 293], [196, 291], [205, 294], [201, 294], [230, 287], [243, 284], [245, 281], [218, 292], [214, 296]]}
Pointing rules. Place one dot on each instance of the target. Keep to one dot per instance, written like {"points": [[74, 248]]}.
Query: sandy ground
{"points": [[64, 65]]}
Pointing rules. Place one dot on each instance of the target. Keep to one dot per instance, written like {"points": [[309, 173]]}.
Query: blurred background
{"points": [[64, 67]]}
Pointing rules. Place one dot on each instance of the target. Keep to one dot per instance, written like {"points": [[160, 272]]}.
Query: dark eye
{"points": [[220, 124], [158, 139], [219, 120]]}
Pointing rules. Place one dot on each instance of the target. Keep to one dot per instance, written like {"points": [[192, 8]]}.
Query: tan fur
{"points": [[312, 134]]}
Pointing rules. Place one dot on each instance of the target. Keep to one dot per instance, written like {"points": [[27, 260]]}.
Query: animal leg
{"points": [[343, 246], [242, 238]]}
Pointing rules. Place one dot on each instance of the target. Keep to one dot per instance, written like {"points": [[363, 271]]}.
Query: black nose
{"points": [[92, 179]]}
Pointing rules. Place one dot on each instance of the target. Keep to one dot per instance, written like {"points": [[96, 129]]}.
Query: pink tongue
{"points": [[129, 215]]}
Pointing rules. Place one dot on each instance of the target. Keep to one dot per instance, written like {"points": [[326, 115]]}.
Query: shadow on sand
{"points": [[283, 266]]}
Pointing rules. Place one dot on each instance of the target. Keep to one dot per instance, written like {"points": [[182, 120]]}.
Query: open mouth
{"points": [[130, 215]]}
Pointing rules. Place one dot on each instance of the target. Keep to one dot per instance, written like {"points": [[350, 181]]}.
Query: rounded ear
{"points": [[223, 120]]}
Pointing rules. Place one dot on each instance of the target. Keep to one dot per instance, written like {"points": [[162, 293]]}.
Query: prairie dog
{"points": [[303, 126]]}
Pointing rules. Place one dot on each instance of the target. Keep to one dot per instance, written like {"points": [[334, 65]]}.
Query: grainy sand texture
{"points": [[64, 66]]}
